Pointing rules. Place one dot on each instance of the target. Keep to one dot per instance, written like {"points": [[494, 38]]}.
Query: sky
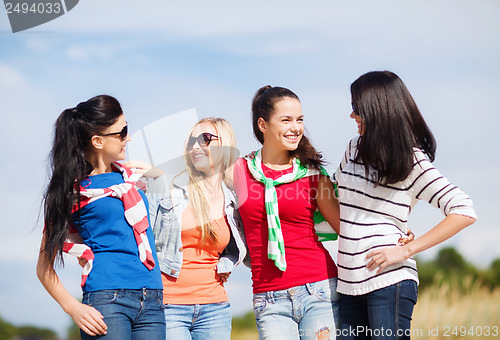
{"points": [[162, 57]]}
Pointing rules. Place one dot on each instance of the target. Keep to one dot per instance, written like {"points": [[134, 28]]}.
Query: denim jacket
{"points": [[167, 201]]}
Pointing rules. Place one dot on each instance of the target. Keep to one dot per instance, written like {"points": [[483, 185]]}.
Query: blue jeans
{"points": [[382, 314], [129, 313], [308, 311], [198, 322]]}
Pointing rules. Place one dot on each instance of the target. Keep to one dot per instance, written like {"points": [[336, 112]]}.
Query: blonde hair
{"points": [[198, 191]]}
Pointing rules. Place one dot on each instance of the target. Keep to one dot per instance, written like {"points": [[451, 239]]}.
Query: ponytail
{"points": [[263, 107], [68, 165]]}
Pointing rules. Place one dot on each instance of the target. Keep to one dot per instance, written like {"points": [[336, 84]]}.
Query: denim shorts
{"points": [[308, 311], [129, 313], [198, 321]]}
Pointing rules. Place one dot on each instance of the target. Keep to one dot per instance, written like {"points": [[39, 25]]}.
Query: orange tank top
{"points": [[198, 282]]}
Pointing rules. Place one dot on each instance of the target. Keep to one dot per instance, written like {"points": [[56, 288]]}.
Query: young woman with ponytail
{"points": [[93, 210], [279, 190]]}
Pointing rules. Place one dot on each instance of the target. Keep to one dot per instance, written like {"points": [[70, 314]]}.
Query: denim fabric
{"points": [[382, 314], [198, 322], [129, 313], [308, 311], [167, 201]]}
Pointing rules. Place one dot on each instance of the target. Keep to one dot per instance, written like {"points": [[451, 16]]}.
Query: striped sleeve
{"points": [[429, 185]]}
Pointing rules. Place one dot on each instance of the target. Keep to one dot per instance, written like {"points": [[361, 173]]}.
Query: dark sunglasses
{"points": [[123, 133], [203, 139]]}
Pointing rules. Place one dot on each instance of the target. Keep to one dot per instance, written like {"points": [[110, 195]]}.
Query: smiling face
{"points": [[285, 128], [202, 157]]}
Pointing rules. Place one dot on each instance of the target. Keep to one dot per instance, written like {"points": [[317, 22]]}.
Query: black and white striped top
{"points": [[376, 216]]}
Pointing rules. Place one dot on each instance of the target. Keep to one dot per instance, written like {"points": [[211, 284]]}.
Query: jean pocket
{"points": [[100, 297], [259, 303], [409, 290]]}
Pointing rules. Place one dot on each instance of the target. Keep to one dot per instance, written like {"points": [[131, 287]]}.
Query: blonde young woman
{"points": [[196, 226]]}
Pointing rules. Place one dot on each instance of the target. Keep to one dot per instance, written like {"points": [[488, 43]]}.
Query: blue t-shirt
{"points": [[104, 229]]}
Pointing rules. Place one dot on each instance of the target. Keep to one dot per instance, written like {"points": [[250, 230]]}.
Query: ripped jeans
{"points": [[304, 312]]}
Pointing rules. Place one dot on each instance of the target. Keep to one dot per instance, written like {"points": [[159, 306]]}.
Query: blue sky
{"points": [[164, 56]]}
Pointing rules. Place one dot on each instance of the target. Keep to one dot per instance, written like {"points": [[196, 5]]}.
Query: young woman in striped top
{"points": [[382, 175]]}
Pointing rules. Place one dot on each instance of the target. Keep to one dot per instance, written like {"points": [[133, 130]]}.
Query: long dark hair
{"points": [[263, 107], [74, 129], [393, 126]]}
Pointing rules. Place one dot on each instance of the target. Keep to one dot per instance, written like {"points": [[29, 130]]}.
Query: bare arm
{"points": [[144, 168], [327, 203], [87, 318], [449, 226]]}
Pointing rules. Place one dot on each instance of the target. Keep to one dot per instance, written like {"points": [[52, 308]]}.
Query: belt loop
{"points": [[270, 297], [309, 288]]}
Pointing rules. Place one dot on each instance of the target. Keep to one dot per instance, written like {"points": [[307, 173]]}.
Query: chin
{"points": [[292, 146], [201, 166]]}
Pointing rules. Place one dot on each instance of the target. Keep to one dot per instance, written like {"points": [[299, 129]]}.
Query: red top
{"points": [[307, 260]]}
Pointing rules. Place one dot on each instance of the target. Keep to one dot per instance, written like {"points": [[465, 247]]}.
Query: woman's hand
{"points": [[251, 155], [82, 262], [409, 237], [89, 319], [146, 169], [140, 166], [383, 257], [224, 276]]}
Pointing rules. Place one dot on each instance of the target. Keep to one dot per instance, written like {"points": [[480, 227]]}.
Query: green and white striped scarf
{"points": [[275, 243]]}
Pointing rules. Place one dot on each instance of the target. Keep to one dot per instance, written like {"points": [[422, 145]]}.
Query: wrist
{"points": [[70, 306], [408, 251]]}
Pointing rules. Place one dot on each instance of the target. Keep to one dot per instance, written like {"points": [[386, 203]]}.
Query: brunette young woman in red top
{"points": [[279, 190]]}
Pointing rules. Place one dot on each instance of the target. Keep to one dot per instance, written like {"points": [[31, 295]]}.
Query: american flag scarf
{"points": [[135, 214]]}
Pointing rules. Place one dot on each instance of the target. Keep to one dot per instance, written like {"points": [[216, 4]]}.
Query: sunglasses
{"points": [[123, 133], [203, 139]]}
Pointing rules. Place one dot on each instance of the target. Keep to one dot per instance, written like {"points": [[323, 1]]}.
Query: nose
{"points": [[196, 145], [295, 126], [353, 115]]}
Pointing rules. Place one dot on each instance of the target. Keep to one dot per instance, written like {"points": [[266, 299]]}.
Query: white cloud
{"points": [[41, 44], [10, 78]]}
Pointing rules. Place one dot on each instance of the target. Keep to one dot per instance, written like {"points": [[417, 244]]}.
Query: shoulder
{"points": [[240, 168], [352, 146], [420, 160], [240, 163], [353, 143]]}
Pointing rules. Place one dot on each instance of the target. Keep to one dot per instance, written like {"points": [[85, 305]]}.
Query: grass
{"points": [[457, 311]]}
